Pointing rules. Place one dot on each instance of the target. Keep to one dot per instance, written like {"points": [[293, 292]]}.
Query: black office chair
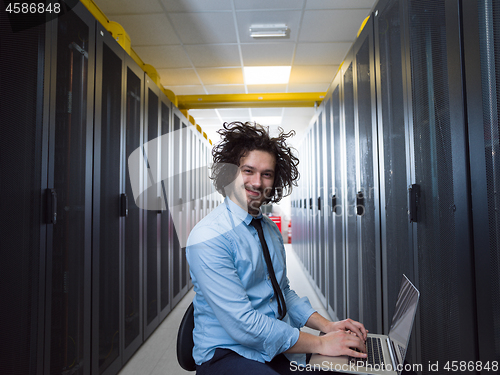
{"points": [[185, 342]]}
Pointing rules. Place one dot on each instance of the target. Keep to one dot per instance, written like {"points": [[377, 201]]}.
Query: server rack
{"points": [[133, 283], [364, 194], [85, 277], [69, 184], [417, 169], [481, 35], [23, 71], [439, 171]]}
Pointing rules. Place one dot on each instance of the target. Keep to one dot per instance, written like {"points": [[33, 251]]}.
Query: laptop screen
{"points": [[402, 320]]}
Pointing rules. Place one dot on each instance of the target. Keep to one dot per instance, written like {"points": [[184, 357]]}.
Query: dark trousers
{"points": [[227, 362]]}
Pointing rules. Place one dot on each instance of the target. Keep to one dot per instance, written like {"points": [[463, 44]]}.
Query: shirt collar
{"points": [[239, 212]]}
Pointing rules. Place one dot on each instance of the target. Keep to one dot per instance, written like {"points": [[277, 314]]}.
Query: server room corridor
{"points": [[157, 356], [110, 112]]}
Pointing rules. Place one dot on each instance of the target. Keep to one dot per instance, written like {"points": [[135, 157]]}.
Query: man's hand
{"points": [[348, 325], [342, 342]]}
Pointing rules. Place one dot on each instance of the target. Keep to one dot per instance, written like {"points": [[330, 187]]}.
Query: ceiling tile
{"points": [[321, 53], [262, 89], [264, 112], [204, 114], [225, 89], [266, 4], [224, 76], [150, 29], [214, 55], [340, 4], [331, 25], [267, 54], [164, 56], [318, 74], [185, 90], [110, 8], [235, 113], [299, 112], [195, 5], [198, 28], [209, 124], [178, 77], [246, 19]]}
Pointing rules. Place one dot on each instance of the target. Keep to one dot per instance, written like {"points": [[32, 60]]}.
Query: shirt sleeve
{"points": [[299, 309], [212, 265]]}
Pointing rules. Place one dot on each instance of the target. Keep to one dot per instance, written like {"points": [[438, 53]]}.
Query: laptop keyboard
{"points": [[374, 351]]}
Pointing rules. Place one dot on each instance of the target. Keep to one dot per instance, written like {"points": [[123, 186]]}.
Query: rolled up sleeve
{"points": [[299, 309]]}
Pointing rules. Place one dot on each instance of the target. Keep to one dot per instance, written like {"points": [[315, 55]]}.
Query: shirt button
{"points": [[268, 277], [271, 300]]}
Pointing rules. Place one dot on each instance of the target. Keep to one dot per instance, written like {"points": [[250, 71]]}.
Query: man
{"points": [[247, 319]]}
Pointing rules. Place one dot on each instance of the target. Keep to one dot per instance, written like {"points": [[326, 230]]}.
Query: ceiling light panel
{"points": [[266, 75], [269, 31], [246, 19]]}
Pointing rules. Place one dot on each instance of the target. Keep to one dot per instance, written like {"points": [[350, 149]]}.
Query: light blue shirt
{"points": [[234, 305]]}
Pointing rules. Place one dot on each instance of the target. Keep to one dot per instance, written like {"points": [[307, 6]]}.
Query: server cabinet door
{"points": [[366, 199], [328, 169], [153, 207], [481, 54], [166, 242], [107, 221], [70, 175], [133, 244], [397, 257], [23, 227], [349, 188], [338, 292], [324, 161], [441, 221], [179, 208], [186, 165]]}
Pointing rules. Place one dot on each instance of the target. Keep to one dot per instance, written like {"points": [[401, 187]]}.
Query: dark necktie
{"points": [[276, 288]]}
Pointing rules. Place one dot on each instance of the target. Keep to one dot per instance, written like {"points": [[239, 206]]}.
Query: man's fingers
{"points": [[354, 353], [357, 328]]}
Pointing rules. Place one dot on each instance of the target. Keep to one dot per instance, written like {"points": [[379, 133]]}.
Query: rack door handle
{"points": [[414, 193], [123, 205], [360, 203], [51, 197]]}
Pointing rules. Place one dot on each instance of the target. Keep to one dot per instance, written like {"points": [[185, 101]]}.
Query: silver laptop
{"points": [[386, 354]]}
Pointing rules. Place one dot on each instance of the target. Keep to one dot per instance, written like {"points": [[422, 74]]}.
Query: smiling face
{"points": [[255, 180]]}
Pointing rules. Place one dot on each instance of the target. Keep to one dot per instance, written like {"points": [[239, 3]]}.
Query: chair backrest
{"points": [[185, 342]]}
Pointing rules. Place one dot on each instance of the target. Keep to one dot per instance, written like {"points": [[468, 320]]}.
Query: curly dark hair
{"points": [[238, 139]]}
